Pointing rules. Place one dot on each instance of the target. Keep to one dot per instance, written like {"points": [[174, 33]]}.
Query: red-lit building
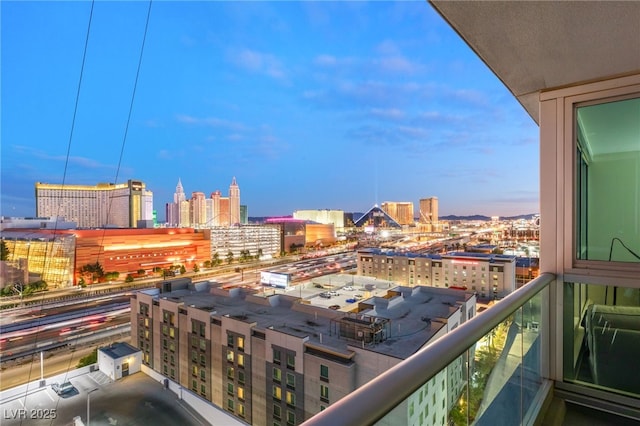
{"points": [[121, 250]]}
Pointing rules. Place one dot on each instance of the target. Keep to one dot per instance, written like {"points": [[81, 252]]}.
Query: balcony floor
{"points": [[579, 415]]}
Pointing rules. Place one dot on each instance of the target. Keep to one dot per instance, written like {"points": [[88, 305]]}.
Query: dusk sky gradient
{"points": [[310, 105]]}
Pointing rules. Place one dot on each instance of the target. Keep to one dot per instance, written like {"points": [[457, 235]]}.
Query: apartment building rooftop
{"points": [[397, 323]]}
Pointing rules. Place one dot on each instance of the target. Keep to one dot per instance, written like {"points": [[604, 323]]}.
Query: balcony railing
{"points": [[487, 371]]}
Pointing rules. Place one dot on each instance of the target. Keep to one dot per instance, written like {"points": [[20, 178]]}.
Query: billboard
{"points": [[274, 279]]}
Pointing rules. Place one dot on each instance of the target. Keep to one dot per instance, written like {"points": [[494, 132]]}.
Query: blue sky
{"points": [[310, 105]]}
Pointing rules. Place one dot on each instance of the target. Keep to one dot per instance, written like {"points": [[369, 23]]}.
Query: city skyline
{"points": [[309, 105]]}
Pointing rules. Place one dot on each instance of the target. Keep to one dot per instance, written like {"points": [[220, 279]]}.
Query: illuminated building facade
{"points": [[257, 239], [429, 211], [59, 255], [234, 202], [327, 217], [489, 275], [319, 234], [401, 212], [237, 351], [42, 255], [106, 204], [198, 209]]}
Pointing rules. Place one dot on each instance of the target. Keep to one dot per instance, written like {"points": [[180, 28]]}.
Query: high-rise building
{"points": [[103, 205], [173, 209], [198, 209], [429, 211], [244, 214], [234, 202], [400, 211], [224, 216]]}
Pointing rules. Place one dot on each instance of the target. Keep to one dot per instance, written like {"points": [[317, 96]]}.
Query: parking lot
{"points": [[133, 400]]}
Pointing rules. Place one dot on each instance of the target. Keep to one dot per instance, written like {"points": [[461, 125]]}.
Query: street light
{"points": [[89, 404]]}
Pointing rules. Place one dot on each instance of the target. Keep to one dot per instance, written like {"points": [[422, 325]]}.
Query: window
{"points": [[230, 373], [291, 399], [172, 332], [276, 356], [240, 360], [194, 356], [203, 374], [277, 392], [203, 345], [230, 404], [194, 371], [240, 393], [240, 410], [240, 343], [277, 374], [291, 380], [324, 373], [291, 361], [324, 393], [607, 148], [230, 388], [230, 340], [241, 377], [230, 356], [203, 389], [277, 411], [203, 360], [291, 418]]}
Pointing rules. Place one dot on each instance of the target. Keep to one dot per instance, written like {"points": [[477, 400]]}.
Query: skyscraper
{"points": [[429, 210], [197, 209], [105, 204], [400, 211], [173, 209], [234, 202]]}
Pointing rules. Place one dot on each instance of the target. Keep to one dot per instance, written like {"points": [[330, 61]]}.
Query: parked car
{"points": [[325, 295], [334, 293], [63, 388], [334, 307], [347, 288], [351, 300]]}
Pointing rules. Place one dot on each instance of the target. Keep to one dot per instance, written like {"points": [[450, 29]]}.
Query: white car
{"points": [[347, 288]]}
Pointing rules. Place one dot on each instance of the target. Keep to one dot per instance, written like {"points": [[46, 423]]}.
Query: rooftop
{"points": [[411, 315], [119, 350]]}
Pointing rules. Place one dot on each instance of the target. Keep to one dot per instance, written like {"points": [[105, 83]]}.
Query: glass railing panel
{"points": [[494, 382], [487, 371], [602, 337]]}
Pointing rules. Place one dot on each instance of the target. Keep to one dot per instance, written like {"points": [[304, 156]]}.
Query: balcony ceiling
{"points": [[533, 46]]}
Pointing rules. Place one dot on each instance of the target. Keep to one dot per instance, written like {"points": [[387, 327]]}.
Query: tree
{"points": [[90, 359], [142, 272], [196, 268], [259, 255], [94, 269], [129, 278], [216, 259], [229, 257], [4, 251], [182, 269], [207, 264]]}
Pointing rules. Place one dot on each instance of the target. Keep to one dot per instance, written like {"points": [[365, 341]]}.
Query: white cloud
{"points": [[258, 62]]}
